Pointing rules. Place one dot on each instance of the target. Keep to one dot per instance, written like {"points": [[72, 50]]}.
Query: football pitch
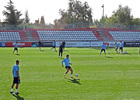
{"points": [[115, 77]]}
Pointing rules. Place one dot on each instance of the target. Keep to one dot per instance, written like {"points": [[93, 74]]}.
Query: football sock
{"points": [[11, 90], [64, 74], [16, 90], [71, 75]]}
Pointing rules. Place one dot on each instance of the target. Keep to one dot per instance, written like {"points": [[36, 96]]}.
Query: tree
{"points": [[136, 21], [122, 15], [12, 14], [57, 24], [27, 19], [77, 12], [42, 21]]}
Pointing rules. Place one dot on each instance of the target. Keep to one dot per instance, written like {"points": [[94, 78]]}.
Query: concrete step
{"points": [[102, 35], [29, 35]]}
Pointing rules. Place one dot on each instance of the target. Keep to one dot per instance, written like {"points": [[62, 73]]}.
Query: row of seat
{"points": [[66, 35], [125, 35], [91, 34], [5, 36]]}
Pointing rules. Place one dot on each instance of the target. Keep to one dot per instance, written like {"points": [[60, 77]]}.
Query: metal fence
{"points": [[69, 26]]}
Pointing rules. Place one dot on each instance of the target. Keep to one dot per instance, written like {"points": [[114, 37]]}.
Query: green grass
{"points": [[115, 77]]}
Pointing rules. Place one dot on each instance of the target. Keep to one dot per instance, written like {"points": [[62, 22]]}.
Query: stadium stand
{"points": [[12, 35], [9, 35], [80, 34], [67, 35], [125, 35]]}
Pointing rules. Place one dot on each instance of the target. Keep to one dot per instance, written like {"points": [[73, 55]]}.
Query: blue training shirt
{"points": [[15, 68], [103, 46], [53, 43], [121, 45], [117, 45], [15, 45], [67, 62]]}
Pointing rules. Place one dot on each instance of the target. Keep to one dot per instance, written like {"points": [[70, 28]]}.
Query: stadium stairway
{"points": [[22, 35], [96, 33], [29, 35], [102, 34], [35, 35]]}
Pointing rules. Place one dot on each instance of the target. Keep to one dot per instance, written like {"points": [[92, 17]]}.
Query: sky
{"points": [[50, 8]]}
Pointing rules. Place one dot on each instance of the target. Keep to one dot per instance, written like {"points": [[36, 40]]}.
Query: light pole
{"points": [[103, 17]]}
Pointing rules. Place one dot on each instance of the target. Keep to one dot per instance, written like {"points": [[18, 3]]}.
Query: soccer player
{"points": [[116, 47], [67, 65], [121, 47], [64, 43], [15, 48], [16, 77], [61, 50], [54, 46], [103, 49], [39, 44]]}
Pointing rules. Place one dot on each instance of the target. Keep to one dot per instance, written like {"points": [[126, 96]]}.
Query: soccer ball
{"points": [[76, 75], [108, 52], [125, 52]]}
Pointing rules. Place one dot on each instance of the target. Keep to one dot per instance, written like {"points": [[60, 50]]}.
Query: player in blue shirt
{"points": [[15, 48], [54, 46], [16, 77], [121, 47], [116, 47], [67, 65], [103, 49]]}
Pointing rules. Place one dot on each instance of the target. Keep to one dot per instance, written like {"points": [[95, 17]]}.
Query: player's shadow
{"points": [[18, 97], [74, 81], [96, 48], [18, 54], [109, 57], [126, 54], [41, 50], [99, 48], [66, 51]]}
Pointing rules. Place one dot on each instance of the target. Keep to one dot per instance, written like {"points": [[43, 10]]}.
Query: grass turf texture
{"points": [[115, 77]]}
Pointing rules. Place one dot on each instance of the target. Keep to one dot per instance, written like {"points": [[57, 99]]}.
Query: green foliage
{"points": [[57, 24], [12, 14], [136, 21], [122, 16], [42, 21], [76, 12], [115, 77], [27, 19]]}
